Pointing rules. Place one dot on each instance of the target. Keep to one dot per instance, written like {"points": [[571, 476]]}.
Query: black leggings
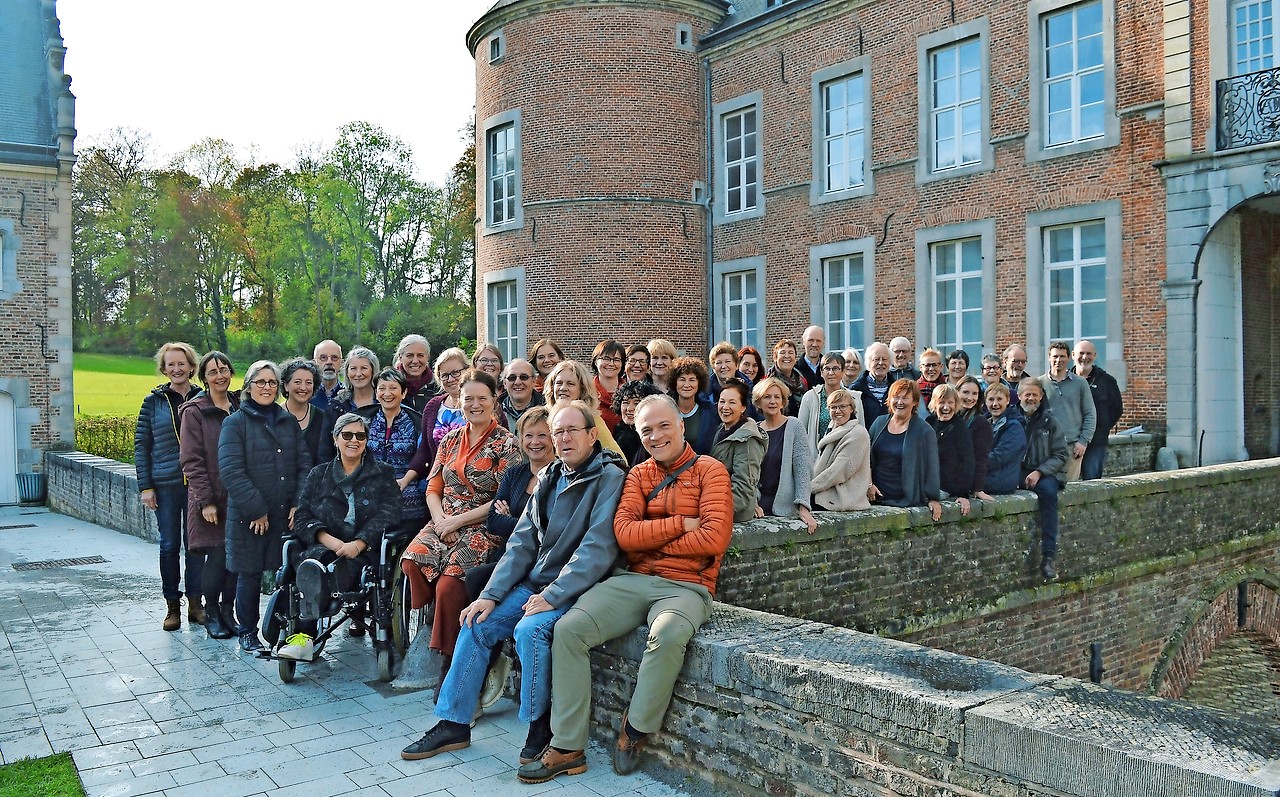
{"points": [[217, 585]]}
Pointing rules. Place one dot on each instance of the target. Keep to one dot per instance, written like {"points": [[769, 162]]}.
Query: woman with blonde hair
{"points": [[359, 369], [160, 480], [785, 471], [413, 359], [570, 380], [443, 413], [662, 353]]}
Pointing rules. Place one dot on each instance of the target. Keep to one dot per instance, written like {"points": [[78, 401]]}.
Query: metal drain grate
{"points": [[18, 526], [48, 563]]}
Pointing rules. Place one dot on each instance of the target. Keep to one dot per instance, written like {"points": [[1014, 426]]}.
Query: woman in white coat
{"points": [[842, 472]]}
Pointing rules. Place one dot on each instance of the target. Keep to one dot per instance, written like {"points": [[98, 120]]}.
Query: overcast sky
{"points": [[277, 74]]}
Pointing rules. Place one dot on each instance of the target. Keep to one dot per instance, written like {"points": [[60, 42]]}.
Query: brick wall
{"points": [[779, 61], [612, 241], [35, 322], [1136, 552], [1260, 324]]}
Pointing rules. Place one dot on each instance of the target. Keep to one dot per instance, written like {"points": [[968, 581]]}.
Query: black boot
{"points": [[537, 740], [227, 611], [214, 626]]}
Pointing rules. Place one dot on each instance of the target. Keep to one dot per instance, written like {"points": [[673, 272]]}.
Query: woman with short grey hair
{"points": [[264, 463], [413, 359]]}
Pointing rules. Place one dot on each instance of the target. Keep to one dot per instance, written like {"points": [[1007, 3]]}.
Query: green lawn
{"points": [[112, 384], [54, 776]]}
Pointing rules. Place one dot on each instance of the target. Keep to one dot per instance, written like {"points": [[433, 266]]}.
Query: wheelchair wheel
{"points": [[385, 673], [406, 621], [287, 668]]}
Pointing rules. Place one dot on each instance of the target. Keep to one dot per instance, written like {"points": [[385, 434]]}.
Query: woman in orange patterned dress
{"points": [[462, 483]]}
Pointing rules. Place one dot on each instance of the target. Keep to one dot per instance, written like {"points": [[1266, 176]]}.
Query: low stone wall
{"points": [[98, 490], [781, 706], [1135, 552], [1130, 453]]}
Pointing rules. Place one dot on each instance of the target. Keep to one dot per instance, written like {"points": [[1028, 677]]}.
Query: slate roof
{"points": [[28, 115]]}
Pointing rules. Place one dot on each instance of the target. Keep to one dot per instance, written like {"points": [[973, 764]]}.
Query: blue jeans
{"points": [[1046, 491], [1095, 456], [461, 688], [171, 521]]}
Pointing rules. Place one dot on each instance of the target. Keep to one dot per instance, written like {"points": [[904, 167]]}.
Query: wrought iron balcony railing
{"points": [[1249, 109]]}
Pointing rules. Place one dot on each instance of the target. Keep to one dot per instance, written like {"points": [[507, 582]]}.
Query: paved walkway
{"points": [[85, 668]]}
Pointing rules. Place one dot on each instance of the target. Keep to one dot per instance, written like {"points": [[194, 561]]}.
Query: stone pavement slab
{"points": [[84, 667]]}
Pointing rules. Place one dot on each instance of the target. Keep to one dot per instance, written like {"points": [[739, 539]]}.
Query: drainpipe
{"points": [[709, 194], [1095, 662]]}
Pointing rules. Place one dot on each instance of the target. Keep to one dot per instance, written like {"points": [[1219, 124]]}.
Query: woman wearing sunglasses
{"points": [[264, 463]]}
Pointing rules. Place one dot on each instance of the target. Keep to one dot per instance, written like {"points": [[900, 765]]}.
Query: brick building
{"points": [[37, 131], [969, 174]]}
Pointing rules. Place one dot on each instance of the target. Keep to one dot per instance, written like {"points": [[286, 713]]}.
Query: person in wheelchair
{"points": [[347, 505], [563, 543]]}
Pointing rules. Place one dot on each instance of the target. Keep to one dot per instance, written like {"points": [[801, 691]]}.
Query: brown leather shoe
{"points": [[195, 611], [626, 753], [552, 763], [173, 617]]}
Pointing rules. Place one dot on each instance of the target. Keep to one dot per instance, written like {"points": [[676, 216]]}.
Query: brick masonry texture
{"points": [[626, 117], [33, 205], [1260, 303]]}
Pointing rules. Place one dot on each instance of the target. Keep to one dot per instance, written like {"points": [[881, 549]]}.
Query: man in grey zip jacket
{"points": [[562, 545]]}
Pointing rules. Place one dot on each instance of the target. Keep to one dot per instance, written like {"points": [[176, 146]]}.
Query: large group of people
{"points": [[562, 503]]}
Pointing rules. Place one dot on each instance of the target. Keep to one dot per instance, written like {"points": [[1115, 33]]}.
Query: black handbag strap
{"points": [[671, 478]]}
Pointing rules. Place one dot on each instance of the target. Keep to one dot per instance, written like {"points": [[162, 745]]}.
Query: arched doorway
{"points": [[8, 452], [1238, 335]]}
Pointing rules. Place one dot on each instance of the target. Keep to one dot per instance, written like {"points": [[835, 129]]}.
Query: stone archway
{"points": [[1212, 630]]}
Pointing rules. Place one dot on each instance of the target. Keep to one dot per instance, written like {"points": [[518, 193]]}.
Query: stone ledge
{"points": [[770, 704]]}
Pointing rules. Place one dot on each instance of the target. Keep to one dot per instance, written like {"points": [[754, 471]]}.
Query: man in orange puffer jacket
{"points": [[673, 524]]}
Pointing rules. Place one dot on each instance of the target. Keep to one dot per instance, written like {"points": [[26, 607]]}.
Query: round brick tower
{"points": [[590, 170]]}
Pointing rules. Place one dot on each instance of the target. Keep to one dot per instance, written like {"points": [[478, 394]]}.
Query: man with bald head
{"points": [[327, 356], [810, 365], [673, 525], [874, 383], [1108, 405]]}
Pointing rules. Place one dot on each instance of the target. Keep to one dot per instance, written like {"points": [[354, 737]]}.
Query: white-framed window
{"points": [[957, 294], [739, 301], [842, 291], [955, 287], [1073, 280], [504, 311], [741, 161], [841, 131], [1075, 84], [1073, 96], [1075, 260], [955, 102], [738, 160], [1252, 36], [503, 208]]}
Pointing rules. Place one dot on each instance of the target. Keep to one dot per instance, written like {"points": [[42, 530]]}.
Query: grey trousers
{"points": [[674, 610]]}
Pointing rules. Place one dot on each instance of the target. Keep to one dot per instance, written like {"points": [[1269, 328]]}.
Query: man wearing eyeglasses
{"points": [[930, 377], [1015, 369], [519, 395], [674, 522], [562, 544], [328, 359], [901, 351]]}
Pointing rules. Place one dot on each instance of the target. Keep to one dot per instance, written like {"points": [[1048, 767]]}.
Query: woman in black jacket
{"points": [[970, 392], [160, 480], [955, 445], [347, 505], [264, 462]]}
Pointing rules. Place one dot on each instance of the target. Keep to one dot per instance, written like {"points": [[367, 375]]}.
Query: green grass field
{"points": [[112, 384], [54, 776]]}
